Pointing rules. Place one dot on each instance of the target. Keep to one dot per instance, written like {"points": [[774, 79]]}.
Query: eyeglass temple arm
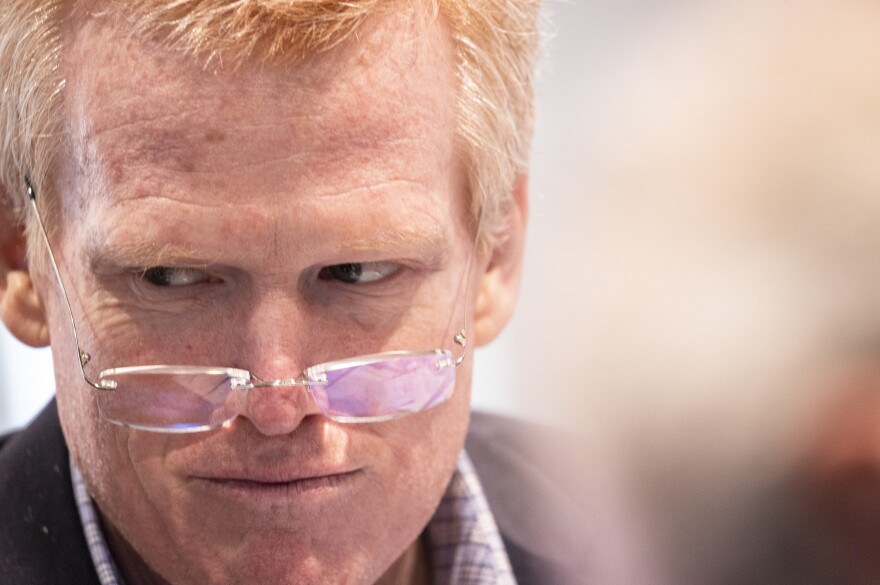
{"points": [[83, 355], [461, 337]]}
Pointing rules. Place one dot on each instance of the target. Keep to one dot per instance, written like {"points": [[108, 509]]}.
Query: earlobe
{"points": [[499, 284], [22, 310], [20, 306]]}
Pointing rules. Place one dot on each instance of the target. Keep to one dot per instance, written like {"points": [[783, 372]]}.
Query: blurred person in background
{"points": [[720, 310]]}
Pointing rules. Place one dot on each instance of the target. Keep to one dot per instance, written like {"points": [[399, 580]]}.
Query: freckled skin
{"points": [[268, 173]]}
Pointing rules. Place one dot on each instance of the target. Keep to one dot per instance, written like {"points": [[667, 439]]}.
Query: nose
{"points": [[274, 345], [279, 408]]}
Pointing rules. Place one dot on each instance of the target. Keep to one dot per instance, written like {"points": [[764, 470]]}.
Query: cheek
{"points": [[99, 449], [102, 451], [86, 434], [422, 454], [425, 446]]}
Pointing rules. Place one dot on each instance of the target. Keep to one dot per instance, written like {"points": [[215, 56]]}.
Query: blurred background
{"points": [[700, 296]]}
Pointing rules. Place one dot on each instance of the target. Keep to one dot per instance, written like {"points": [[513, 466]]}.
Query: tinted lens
{"points": [[170, 401], [388, 387]]}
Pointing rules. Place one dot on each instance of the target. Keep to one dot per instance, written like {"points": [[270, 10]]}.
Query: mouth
{"points": [[252, 488]]}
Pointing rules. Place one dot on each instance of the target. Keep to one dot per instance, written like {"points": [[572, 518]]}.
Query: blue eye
{"points": [[167, 276], [358, 272]]}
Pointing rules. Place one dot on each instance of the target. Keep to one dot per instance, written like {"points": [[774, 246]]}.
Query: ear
{"points": [[499, 284], [20, 306]]}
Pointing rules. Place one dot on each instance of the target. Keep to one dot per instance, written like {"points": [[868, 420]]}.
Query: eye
{"points": [[167, 276], [358, 272]]}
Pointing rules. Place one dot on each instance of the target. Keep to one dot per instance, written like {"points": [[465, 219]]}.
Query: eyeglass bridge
{"points": [[256, 382]]}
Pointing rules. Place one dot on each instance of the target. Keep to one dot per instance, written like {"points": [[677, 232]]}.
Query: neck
{"points": [[412, 568]]}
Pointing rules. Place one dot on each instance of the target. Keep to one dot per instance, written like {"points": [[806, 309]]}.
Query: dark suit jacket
{"points": [[42, 542]]}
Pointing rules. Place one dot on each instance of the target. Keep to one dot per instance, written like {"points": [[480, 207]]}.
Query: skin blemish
{"points": [[215, 136]]}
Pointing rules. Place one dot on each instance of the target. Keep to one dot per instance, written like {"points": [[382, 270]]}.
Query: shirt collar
{"points": [[465, 545]]}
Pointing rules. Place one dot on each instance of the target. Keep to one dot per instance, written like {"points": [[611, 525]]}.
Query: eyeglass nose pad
{"points": [[278, 407]]}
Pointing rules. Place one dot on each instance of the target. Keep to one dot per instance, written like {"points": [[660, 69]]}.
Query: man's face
{"points": [[249, 185]]}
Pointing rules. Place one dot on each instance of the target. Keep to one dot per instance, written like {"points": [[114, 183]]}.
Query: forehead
{"points": [[147, 122]]}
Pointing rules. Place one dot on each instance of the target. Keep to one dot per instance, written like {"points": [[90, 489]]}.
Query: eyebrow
{"points": [[423, 240], [141, 253], [426, 244]]}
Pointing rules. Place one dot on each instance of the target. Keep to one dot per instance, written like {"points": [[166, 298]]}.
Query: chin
{"points": [[282, 562], [275, 572]]}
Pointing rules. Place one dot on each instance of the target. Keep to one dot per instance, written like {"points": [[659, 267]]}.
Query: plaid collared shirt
{"points": [[465, 544]]}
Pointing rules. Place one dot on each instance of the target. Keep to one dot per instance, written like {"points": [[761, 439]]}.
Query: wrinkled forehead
{"points": [[135, 103]]}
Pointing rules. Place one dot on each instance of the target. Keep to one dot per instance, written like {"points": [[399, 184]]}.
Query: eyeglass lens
{"points": [[388, 387], [170, 401], [384, 387]]}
